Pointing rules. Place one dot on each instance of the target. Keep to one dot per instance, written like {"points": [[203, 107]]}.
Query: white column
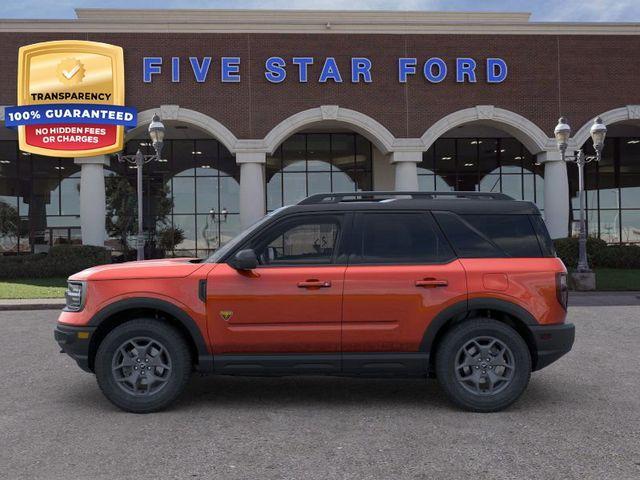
{"points": [[556, 194], [93, 209], [252, 187], [406, 166]]}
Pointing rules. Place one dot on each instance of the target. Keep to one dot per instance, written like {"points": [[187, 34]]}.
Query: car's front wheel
{"points": [[483, 365], [143, 365]]}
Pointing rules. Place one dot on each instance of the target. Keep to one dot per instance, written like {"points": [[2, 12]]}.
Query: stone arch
{"points": [[527, 132], [374, 131], [197, 119], [629, 112]]}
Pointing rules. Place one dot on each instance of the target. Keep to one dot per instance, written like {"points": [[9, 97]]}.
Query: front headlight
{"points": [[75, 296]]}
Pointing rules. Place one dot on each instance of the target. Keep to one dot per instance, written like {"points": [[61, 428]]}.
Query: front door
{"points": [[402, 272], [291, 303]]}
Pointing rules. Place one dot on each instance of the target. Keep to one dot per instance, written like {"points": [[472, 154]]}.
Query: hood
{"points": [[165, 268]]}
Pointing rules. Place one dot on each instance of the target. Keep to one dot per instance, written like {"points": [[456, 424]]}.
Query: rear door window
{"points": [[399, 238]]}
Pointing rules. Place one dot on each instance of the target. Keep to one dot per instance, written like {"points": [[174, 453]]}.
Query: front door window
{"points": [[311, 243]]}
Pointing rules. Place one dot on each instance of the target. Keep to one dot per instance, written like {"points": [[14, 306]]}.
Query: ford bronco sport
{"points": [[462, 286]]}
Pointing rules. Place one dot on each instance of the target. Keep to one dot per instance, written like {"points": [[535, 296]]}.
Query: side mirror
{"points": [[244, 260]]}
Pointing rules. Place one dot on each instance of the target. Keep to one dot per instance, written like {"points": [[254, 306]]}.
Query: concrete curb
{"points": [[603, 299], [31, 304]]}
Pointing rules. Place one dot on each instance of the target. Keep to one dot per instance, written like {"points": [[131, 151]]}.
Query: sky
{"points": [[542, 10]]}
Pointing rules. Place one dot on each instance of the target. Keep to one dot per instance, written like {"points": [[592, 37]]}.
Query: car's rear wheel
{"points": [[483, 365], [143, 365]]}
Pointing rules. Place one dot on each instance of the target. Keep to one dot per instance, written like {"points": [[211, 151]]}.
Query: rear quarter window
{"points": [[491, 235], [546, 244], [514, 234]]}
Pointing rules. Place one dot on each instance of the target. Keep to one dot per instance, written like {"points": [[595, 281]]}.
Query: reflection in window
{"points": [[309, 163], [482, 164], [39, 201], [308, 243], [612, 191], [401, 238], [201, 182]]}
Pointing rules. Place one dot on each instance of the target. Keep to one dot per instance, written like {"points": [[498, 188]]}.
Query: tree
{"points": [[122, 208], [169, 237], [9, 225]]}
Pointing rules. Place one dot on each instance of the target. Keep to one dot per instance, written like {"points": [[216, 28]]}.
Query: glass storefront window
{"points": [[308, 163], [200, 181], [490, 183], [195, 188], [207, 194], [39, 197], [481, 164], [612, 190], [630, 190], [184, 199], [630, 226]]}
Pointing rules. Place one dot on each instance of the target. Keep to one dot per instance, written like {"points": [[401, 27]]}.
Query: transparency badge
{"points": [[70, 99]]}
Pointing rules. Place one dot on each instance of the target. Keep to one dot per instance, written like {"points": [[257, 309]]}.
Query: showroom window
{"points": [[194, 190], [39, 201], [482, 164], [308, 163], [612, 191]]}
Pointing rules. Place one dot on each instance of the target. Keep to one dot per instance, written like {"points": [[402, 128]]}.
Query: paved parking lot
{"points": [[580, 418]]}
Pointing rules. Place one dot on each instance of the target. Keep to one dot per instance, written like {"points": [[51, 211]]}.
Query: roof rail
{"points": [[375, 196]]}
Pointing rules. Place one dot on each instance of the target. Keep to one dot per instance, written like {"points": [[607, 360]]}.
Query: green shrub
{"points": [[61, 261], [599, 254], [618, 256]]}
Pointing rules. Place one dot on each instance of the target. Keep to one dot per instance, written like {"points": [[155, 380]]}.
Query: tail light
{"points": [[562, 289]]}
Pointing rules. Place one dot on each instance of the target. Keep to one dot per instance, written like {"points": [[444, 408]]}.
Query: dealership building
{"points": [[263, 108]]}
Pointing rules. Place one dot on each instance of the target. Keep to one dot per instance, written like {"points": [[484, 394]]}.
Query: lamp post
{"points": [[156, 133], [562, 133]]}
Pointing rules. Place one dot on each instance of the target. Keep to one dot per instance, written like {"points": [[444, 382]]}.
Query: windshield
{"points": [[238, 239]]}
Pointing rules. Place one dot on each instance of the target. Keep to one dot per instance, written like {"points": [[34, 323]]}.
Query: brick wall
{"points": [[578, 76]]}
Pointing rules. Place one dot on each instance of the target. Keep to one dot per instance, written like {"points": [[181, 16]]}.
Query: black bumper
{"points": [[551, 342], [74, 341]]}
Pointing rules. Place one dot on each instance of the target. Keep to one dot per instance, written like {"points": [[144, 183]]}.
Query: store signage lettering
{"points": [[70, 99], [327, 70]]}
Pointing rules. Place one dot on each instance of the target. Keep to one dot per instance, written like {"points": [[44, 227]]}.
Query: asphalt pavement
{"points": [[579, 418]]}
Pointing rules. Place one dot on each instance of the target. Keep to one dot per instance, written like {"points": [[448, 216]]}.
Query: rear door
{"points": [[401, 273]]}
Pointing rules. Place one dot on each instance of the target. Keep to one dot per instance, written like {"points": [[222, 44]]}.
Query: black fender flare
{"points": [[205, 360], [461, 309]]}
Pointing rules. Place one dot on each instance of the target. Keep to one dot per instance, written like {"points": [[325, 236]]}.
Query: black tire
{"points": [[452, 358], [172, 358]]}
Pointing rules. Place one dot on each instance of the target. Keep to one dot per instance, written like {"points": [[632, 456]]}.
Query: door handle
{"points": [[314, 284], [431, 283]]}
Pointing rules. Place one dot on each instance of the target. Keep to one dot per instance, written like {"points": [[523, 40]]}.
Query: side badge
{"points": [[226, 315]]}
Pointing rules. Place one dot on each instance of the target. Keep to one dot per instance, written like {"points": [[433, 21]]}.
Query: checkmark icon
{"points": [[71, 73]]}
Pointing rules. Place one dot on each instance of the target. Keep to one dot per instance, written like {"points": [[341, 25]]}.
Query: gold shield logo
{"points": [[226, 315], [85, 76]]}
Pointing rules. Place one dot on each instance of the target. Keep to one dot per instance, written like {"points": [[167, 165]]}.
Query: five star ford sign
{"points": [[70, 99]]}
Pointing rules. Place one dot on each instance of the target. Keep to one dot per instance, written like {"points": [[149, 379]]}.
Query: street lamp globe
{"points": [[562, 133], [156, 133], [598, 132]]}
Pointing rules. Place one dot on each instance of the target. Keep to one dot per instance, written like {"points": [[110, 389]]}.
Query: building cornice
{"points": [[308, 21]]}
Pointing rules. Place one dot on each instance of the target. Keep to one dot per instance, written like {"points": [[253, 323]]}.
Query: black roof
{"points": [[457, 202]]}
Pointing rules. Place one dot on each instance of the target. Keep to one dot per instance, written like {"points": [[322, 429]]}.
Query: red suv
{"points": [[462, 286]]}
